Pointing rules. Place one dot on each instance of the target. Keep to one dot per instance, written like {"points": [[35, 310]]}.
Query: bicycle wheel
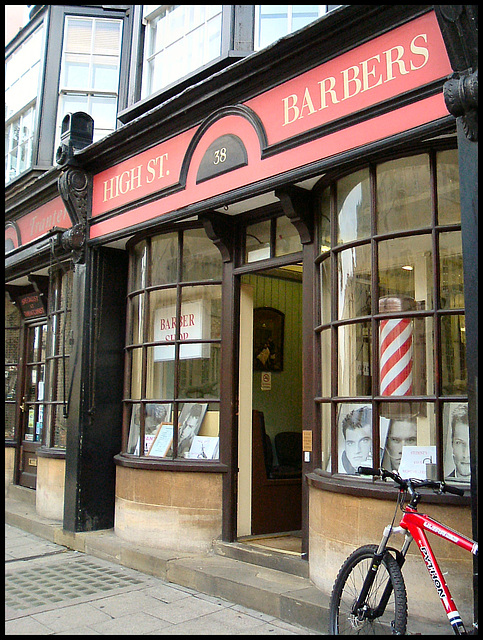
{"points": [[348, 585]]}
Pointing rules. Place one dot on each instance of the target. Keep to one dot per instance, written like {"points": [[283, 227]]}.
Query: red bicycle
{"points": [[369, 594]]}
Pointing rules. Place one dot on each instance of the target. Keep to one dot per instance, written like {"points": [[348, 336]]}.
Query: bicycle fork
{"points": [[360, 606]]}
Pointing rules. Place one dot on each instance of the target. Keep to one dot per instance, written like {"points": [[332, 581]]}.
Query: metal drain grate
{"points": [[64, 581]]}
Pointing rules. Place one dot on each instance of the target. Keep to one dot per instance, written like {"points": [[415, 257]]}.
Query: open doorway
{"points": [[270, 408]]}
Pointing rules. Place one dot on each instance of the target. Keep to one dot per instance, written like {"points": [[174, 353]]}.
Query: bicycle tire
{"points": [[347, 587]]}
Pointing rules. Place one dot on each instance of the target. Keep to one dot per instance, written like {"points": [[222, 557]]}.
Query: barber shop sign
{"points": [[193, 325]]}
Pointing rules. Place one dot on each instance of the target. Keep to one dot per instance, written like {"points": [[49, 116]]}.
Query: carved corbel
{"points": [[297, 205], [459, 28], [74, 189], [220, 230], [461, 99]]}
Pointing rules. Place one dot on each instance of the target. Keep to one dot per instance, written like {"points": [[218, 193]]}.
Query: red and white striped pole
{"points": [[396, 349]]}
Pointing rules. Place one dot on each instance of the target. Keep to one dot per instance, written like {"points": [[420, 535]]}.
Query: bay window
{"points": [[391, 326], [22, 83], [172, 378]]}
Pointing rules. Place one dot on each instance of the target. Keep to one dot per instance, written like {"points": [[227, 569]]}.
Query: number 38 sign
{"points": [[224, 154]]}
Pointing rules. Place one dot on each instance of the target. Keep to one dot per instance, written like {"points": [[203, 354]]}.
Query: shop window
{"points": [[58, 349], [12, 357], [179, 39], [275, 21], [22, 75], [89, 77], [173, 348], [391, 325]]}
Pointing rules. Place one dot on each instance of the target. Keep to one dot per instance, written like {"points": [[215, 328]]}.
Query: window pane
{"points": [[103, 111], [158, 429], [107, 38], [448, 187], [406, 271], [325, 291], [456, 437], [137, 325], [198, 425], [451, 270], [354, 360], [164, 263], [201, 258], [273, 23], [258, 241], [136, 373], [287, 239], [353, 207], [354, 437], [200, 313], [403, 194], [73, 102], [324, 224], [325, 421], [76, 72], [354, 278], [10, 420], [134, 429], [59, 426], [453, 355], [181, 39], [78, 35], [199, 377], [22, 72], [406, 425], [137, 266], [162, 322], [325, 362], [105, 76], [160, 372]]}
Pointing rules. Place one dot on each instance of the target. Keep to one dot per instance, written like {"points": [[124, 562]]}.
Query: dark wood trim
{"points": [[51, 452], [355, 486], [135, 462], [229, 398]]}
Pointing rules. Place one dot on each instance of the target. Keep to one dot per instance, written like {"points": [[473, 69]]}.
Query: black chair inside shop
{"points": [[288, 447]]}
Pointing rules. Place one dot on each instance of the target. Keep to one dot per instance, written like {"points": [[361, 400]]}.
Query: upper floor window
{"points": [[22, 74], [179, 40], [89, 78], [275, 21]]}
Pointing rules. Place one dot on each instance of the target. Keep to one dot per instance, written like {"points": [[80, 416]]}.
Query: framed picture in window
{"points": [[162, 441], [268, 328]]}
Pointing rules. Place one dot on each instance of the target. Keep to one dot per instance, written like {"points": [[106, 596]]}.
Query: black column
{"points": [[95, 410], [459, 27]]}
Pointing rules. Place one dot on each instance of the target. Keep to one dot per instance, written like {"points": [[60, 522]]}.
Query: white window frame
{"points": [[152, 22], [22, 109], [23, 142], [88, 92], [322, 10]]}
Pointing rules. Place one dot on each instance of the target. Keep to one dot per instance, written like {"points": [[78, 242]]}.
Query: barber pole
{"points": [[396, 349]]}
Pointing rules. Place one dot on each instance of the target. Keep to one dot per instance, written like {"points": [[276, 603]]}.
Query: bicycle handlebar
{"points": [[410, 483]]}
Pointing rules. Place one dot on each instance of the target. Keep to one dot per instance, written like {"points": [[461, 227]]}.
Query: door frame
{"points": [[243, 438], [27, 449]]}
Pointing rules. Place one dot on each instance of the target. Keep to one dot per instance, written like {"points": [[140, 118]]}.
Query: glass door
{"points": [[32, 406]]}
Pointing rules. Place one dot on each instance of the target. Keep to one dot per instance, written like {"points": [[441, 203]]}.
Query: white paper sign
{"points": [[194, 325], [414, 460]]}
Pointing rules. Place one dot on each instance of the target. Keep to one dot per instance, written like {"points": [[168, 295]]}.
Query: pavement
{"points": [[59, 582], [51, 590]]}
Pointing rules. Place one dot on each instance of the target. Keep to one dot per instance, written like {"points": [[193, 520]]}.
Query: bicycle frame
{"points": [[415, 524]]}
